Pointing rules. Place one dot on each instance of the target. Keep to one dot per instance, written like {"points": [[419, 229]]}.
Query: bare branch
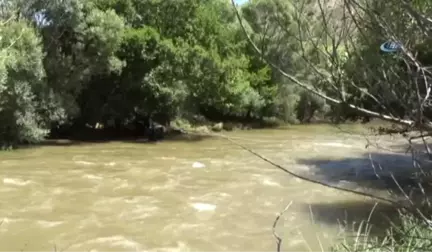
{"points": [[278, 239], [420, 19], [320, 93]]}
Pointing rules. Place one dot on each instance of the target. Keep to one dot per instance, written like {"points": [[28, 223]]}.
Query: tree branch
{"points": [[316, 92], [278, 239]]}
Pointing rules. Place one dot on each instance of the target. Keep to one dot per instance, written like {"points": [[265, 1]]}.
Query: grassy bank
{"points": [[407, 233]]}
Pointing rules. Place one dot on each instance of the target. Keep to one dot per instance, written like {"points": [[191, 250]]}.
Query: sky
{"points": [[240, 1]]}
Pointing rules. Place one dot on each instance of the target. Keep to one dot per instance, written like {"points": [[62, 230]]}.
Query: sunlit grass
{"points": [[410, 234]]}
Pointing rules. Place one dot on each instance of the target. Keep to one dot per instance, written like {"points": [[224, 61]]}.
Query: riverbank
{"points": [[266, 123], [179, 128], [203, 125]]}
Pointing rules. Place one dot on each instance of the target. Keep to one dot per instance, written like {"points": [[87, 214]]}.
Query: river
{"points": [[183, 194]]}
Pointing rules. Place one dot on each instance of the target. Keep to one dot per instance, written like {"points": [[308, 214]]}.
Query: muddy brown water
{"points": [[183, 195]]}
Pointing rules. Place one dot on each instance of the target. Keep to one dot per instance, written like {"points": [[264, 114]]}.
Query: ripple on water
{"points": [[58, 191], [269, 182], [10, 220], [114, 242], [108, 151], [135, 208], [198, 165], [138, 162], [16, 182], [334, 144], [92, 177], [181, 247], [203, 207], [49, 224], [44, 206], [166, 158], [122, 185], [85, 163], [110, 164], [265, 180], [213, 196], [220, 162], [106, 204], [7, 222], [138, 212], [170, 184]]}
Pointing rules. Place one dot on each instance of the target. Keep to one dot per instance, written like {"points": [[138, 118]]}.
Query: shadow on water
{"points": [[355, 215], [369, 172], [359, 174], [83, 141]]}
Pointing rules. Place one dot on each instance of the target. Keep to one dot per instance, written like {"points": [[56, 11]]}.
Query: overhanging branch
{"points": [[317, 92]]}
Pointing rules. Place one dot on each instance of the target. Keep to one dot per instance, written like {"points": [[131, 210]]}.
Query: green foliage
{"points": [[387, 77], [411, 234], [308, 106], [23, 91], [96, 61], [173, 70], [80, 42]]}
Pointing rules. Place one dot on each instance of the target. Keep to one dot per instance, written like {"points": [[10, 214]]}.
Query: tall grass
{"points": [[411, 233]]}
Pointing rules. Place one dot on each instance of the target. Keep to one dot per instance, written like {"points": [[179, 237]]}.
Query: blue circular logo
{"points": [[390, 46]]}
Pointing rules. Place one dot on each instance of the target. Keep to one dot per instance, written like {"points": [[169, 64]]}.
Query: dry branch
{"points": [[278, 239], [423, 124]]}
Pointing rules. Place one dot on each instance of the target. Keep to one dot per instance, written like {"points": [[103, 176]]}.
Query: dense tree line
{"points": [[71, 63]]}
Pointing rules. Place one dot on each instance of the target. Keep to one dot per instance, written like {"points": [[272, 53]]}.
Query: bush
{"points": [[411, 233], [22, 86]]}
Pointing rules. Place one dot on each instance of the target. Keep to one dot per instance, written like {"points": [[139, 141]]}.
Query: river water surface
{"points": [[178, 195]]}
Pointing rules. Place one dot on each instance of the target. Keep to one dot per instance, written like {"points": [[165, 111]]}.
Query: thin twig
{"points": [[278, 239]]}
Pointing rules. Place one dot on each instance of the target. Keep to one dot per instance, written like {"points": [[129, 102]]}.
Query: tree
{"points": [[335, 46], [26, 102]]}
